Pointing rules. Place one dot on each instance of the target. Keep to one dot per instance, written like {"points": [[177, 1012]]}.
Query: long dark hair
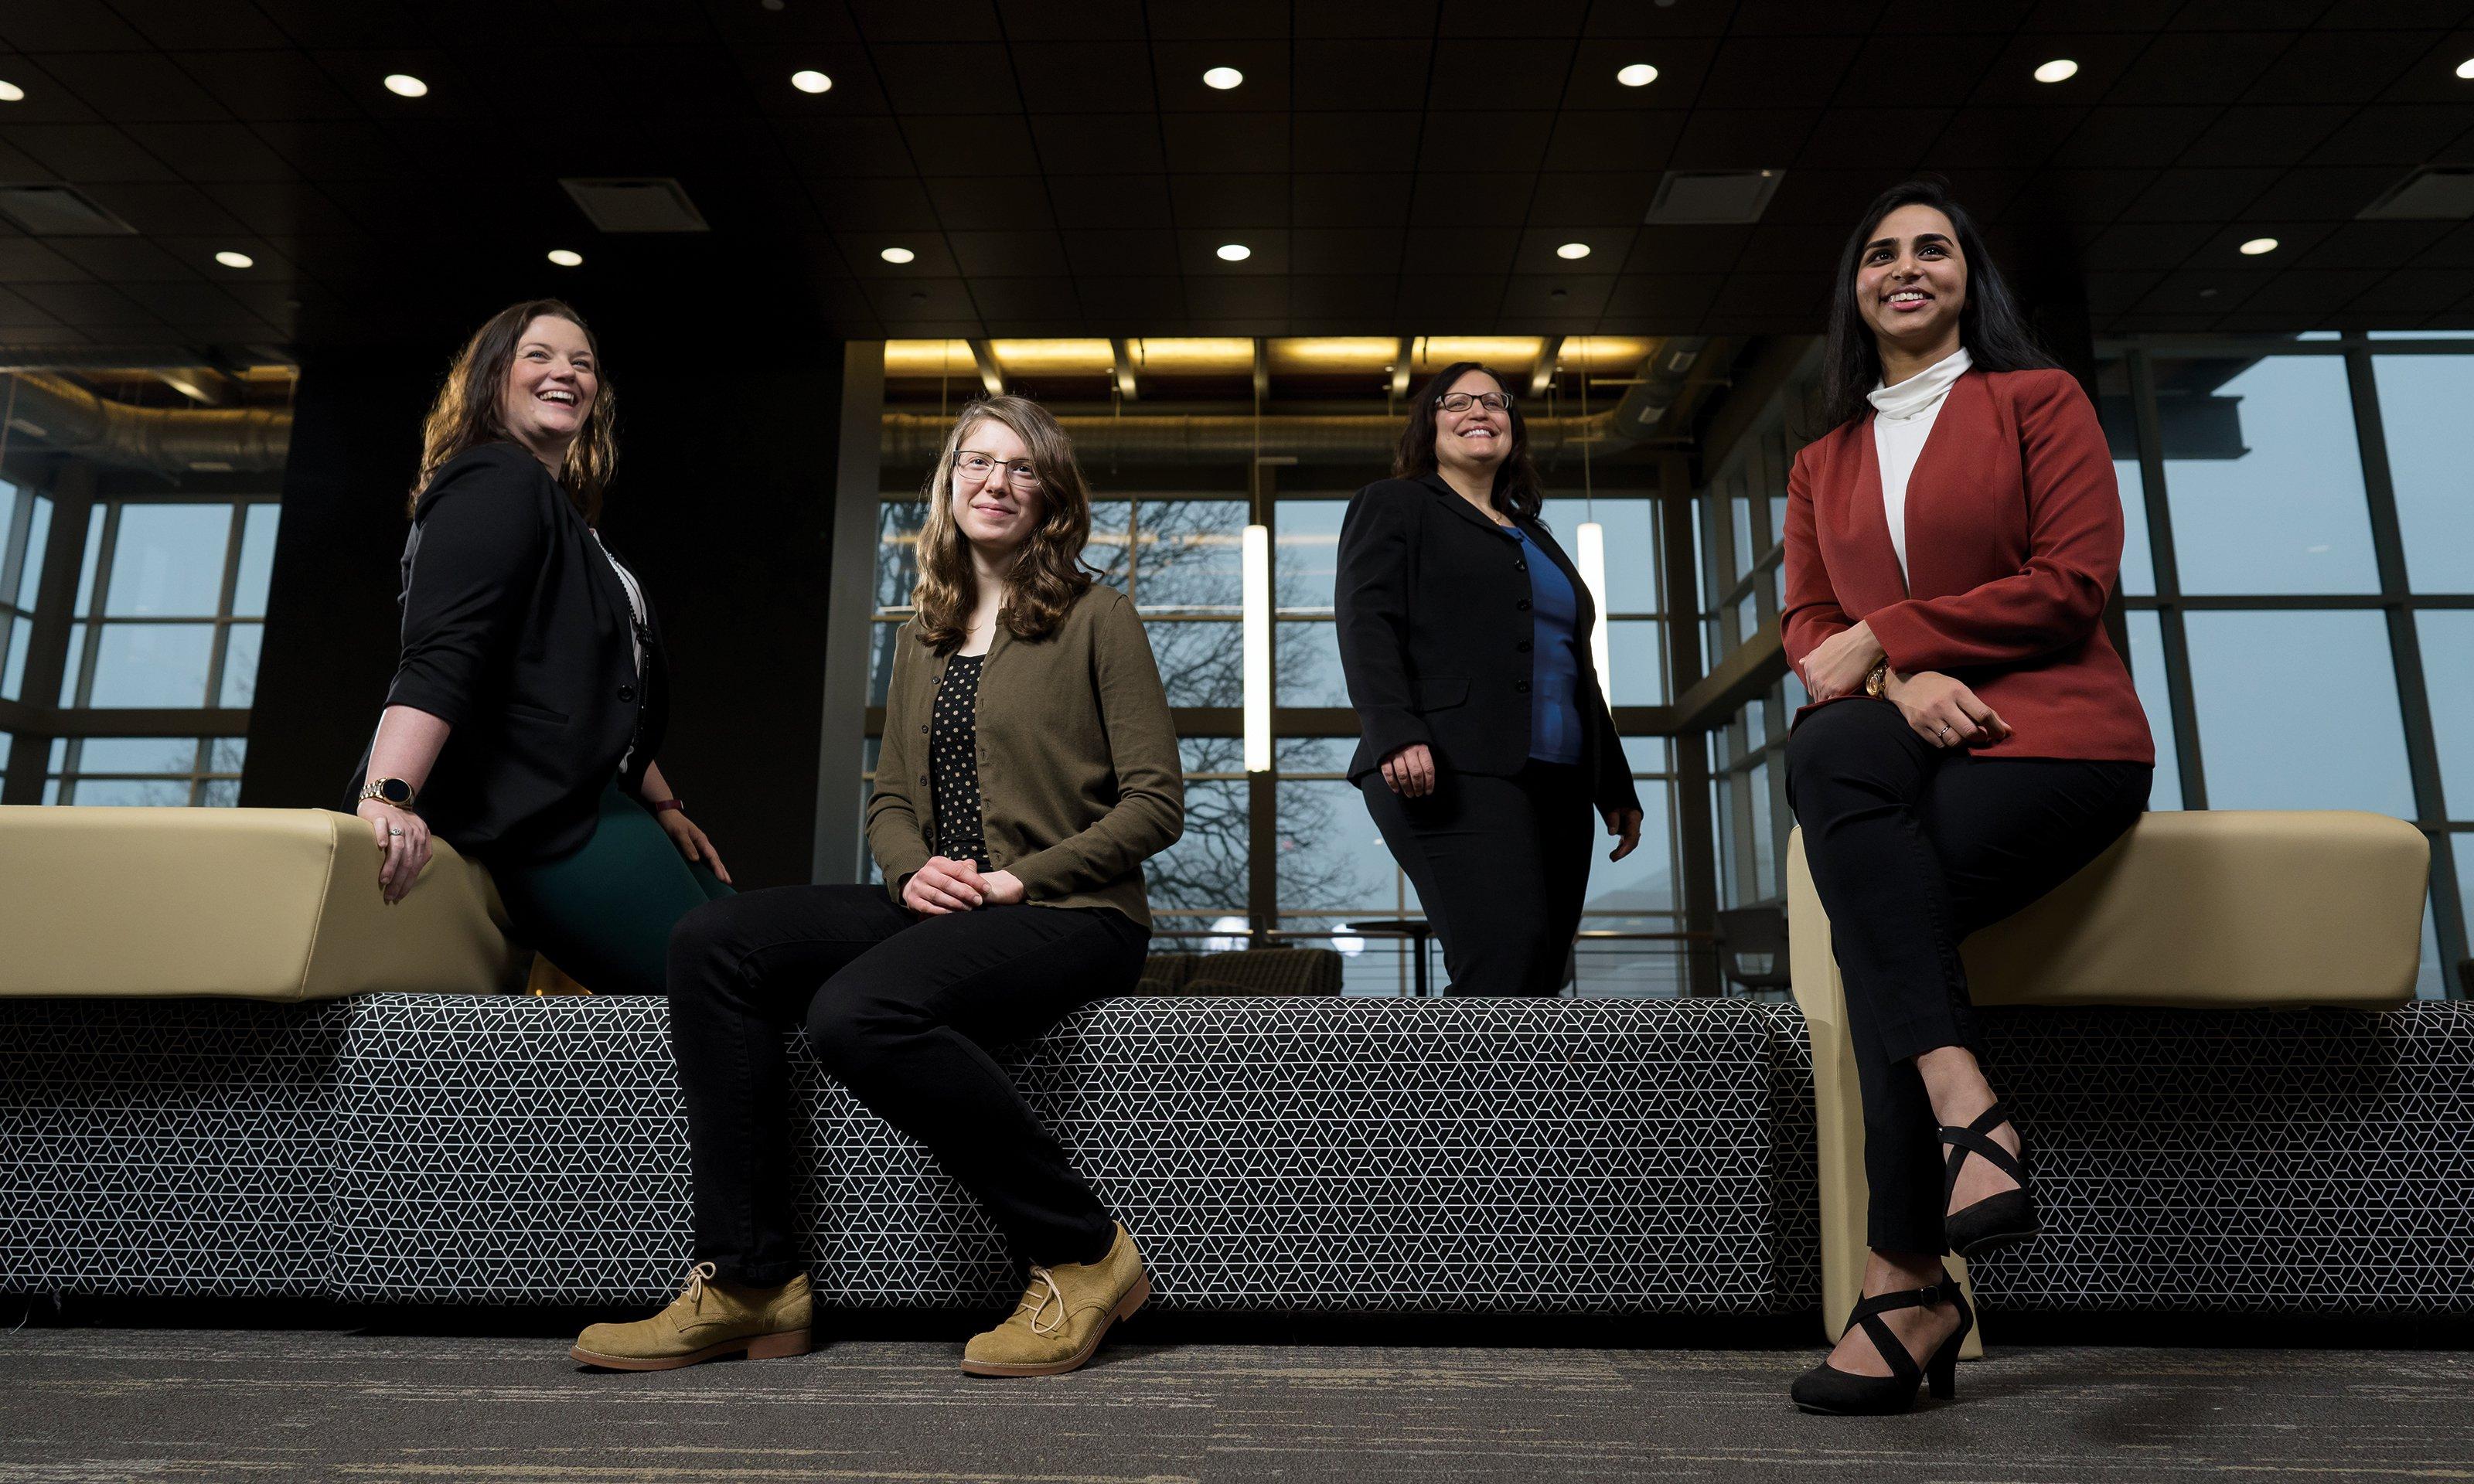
{"points": [[1990, 326], [1516, 478], [465, 412]]}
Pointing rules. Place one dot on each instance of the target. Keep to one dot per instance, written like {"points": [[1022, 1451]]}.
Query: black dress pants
{"points": [[902, 1009], [1912, 848], [1500, 864]]}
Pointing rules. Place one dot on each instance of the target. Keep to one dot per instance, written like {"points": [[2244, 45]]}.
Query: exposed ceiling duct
{"points": [[68, 419]]}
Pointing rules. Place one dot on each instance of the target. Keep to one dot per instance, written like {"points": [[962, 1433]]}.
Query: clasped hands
{"points": [[1410, 772], [945, 886], [1938, 709]]}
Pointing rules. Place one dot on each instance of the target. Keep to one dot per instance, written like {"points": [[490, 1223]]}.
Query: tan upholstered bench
{"points": [[276, 904], [2218, 908]]}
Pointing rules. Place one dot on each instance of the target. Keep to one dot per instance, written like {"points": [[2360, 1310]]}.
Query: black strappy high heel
{"points": [[1996, 1221], [1828, 1390]]}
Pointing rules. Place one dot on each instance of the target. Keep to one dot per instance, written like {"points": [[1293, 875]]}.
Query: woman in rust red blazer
{"points": [[1973, 739]]}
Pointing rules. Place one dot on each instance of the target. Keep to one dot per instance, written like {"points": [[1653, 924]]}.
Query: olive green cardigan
{"points": [[1079, 781]]}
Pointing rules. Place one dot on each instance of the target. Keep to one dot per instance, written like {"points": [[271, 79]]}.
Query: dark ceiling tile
{"points": [[1549, 296], [1592, 198], [2315, 294], [216, 153], [2008, 78], [992, 203], [23, 260], [1660, 249], [284, 209], [2411, 290], [16, 313], [1680, 63], [2454, 249], [955, 145], [1785, 247], [1368, 18], [128, 87], [1136, 302], [2265, 135], [2342, 66], [46, 101], [132, 260], [1493, 18], [68, 28], [2204, 67], [1364, 297], [830, 148], [1095, 254], [161, 208], [1346, 249], [1803, 17], [1497, 73], [88, 152], [2395, 135], [2199, 195], [201, 25], [1178, 68], [947, 77], [882, 204], [1888, 71], [2110, 293], [1098, 144], [2146, 247], [272, 85], [1875, 139], [2113, 136], [88, 305], [1665, 295], [1231, 201], [1449, 304], [189, 304], [1085, 77], [1227, 142], [883, 22], [2196, 293], [1085, 21], [1354, 75], [1264, 298], [339, 151], [1112, 202], [1827, 202], [1470, 251], [2374, 245], [1773, 72], [2325, 193], [1348, 143], [1614, 140], [2009, 138], [2433, 77], [1794, 296], [1742, 139], [1213, 20], [2091, 197], [1024, 299], [1986, 193], [913, 300], [1485, 142], [1350, 200], [1458, 202]]}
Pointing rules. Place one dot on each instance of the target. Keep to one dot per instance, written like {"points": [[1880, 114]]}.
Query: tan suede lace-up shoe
{"points": [[1064, 1315], [708, 1319]]}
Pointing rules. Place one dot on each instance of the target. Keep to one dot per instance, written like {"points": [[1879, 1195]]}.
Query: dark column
{"points": [[722, 505], [2062, 324]]}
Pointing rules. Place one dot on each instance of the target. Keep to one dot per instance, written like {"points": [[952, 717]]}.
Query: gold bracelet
{"points": [[1877, 679]]}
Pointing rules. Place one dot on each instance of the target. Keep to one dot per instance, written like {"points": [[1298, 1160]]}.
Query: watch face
{"points": [[395, 791]]}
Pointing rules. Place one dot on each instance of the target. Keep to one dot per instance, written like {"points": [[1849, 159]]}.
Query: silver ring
{"points": [[391, 829]]}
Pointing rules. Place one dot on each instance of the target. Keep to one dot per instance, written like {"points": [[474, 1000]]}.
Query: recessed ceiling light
{"points": [[812, 82], [230, 259], [1223, 78], [1573, 250], [2061, 69], [403, 84], [566, 257], [1640, 74], [10, 92], [897, 254], [1235, 253], [2465, 69], [2259, 244]]}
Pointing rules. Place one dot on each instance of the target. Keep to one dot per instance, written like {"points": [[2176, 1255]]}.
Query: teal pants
{"points": [[604, 912]]}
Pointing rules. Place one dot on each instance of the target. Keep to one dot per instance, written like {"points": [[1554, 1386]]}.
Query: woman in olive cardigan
{"points": [[1029, 767]]}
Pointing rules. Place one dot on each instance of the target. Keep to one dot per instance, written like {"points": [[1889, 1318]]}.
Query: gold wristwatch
{"points": [[1878, 677], [394, 791]]}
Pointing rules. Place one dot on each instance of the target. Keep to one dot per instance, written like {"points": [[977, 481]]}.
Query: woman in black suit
{"points": [[1484, 739], [531, 694]]}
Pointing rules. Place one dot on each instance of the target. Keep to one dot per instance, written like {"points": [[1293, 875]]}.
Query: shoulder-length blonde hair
{"points": [[1048, 574], [465, 413]]}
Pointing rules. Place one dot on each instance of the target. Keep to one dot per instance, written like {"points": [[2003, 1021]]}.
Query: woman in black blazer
{"points": [[1485, 738], [532, 695]]}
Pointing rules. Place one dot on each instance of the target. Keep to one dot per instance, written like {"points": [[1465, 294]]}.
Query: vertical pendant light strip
{"points": [[1258, 647]]}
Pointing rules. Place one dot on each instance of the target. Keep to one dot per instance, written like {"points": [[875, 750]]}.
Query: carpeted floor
{"points": [[94, 1405]]}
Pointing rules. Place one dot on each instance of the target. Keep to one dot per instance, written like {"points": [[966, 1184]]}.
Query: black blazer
{"points": [[1435, 634], [516, 635]]}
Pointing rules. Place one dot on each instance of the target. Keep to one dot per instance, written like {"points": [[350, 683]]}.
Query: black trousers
{"points": [[902, 1009], [1500, 865], [1912, 848]]}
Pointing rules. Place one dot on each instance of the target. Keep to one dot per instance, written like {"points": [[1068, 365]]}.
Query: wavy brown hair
{"points": [[465, 413], [1516, 489], [1048, 573]]}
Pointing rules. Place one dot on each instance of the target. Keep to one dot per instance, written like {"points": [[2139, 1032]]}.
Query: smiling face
{"points": [[1911, 282], [1477, 438], [996, 510], [551, 386]]}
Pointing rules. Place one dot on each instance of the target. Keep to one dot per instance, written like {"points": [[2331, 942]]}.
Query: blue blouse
{"points": [[1554, 733]]}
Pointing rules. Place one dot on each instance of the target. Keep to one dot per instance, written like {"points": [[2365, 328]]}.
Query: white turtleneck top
{"points": [[1902, 418]]}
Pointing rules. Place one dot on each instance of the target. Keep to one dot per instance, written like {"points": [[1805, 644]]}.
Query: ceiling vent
{"points": [[642, 205], [59, 211], [2435, 193], [1708, 198]]}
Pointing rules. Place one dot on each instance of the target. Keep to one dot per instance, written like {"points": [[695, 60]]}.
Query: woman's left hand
{"points": [[691, 841], [1000, 888], [1625, 826], [1838, 664]]}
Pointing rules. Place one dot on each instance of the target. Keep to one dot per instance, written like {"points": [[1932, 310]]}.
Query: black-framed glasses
{"points": [[1463, 402], [980, 468]]}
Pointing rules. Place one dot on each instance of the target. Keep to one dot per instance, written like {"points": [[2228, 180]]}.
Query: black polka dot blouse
{"points": [[954, 763]]}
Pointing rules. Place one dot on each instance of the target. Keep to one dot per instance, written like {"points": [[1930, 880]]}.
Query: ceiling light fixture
{"points": [[1573, 250], [1235, 253], [812, 82], [1223, 78], [1640, 74], [566, 257], [2061, 69], [403, 84], [897, 254], [2257, 246], [2465, 69], [10, 92], [231, 259]]}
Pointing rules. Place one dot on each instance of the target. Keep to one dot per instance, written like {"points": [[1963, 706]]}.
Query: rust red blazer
{"points": [[2014, 541]]}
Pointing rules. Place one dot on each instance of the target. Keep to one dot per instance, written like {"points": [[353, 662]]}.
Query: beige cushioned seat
{"points": [[279, 904], [2220, 907]]}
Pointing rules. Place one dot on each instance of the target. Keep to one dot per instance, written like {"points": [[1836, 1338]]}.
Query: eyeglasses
{"points": [[1463, 402], [979, 469]]}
